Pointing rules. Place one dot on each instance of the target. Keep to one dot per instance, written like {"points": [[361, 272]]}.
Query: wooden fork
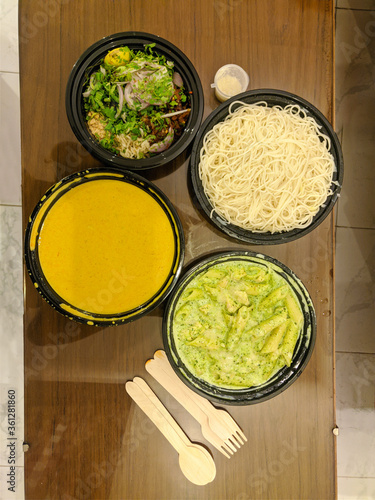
{"points": [[218, 427]]}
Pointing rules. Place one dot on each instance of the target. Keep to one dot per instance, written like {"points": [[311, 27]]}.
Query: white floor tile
{"points": [[11, 337], [12, 423], [12, 483], [9, 36], [10, 141], [355, 398], [11, 296], [356, 4], [353, 488], [355, 109], [355, 293]]}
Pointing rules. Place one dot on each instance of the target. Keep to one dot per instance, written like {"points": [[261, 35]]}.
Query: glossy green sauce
{"points": [[236, 324]]}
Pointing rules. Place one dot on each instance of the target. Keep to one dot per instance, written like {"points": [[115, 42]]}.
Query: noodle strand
{"points": [[266, 168]]}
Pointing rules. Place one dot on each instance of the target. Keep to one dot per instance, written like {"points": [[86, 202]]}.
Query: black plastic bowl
{"points": [[89, 61], [272, 98], [284, 377], [38, 217]]}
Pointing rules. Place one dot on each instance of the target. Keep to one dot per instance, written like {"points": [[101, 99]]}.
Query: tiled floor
{"points": [[355, 252], [11, 296]]}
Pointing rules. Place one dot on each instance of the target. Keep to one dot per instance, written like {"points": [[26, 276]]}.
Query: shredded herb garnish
{"points": [[128, 96]]}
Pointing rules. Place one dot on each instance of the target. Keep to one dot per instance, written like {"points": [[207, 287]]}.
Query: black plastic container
{"points": [[272, 98], [89, 61], [38, 217], [284, 377]]}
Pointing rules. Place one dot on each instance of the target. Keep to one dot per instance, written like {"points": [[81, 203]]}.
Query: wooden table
{"points": [[87, 438]]}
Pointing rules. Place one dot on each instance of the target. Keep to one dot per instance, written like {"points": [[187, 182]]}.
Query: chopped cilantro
{"points": [[153, 86]]}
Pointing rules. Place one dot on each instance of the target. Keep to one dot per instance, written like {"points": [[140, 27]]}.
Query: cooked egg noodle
{"points": [[266, 168]]}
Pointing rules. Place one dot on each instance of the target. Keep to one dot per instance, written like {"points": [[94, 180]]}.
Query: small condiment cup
{"points": [[229, 81]]}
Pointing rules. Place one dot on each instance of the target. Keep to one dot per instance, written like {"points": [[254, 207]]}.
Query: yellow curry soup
{"points": [[106, 246]]}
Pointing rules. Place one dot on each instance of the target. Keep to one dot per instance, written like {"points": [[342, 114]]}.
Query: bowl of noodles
{"points": [[266, 167], [134, 101]]}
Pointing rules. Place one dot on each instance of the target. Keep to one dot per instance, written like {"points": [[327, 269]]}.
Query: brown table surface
{"points": [[87, 438]]}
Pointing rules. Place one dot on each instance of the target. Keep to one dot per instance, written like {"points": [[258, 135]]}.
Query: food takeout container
{"points": [[284, 377], [117, 280], [272, 98], [230, 80], [89, 61]]}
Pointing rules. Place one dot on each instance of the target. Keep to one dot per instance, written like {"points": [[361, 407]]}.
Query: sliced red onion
{"points": [[92, 81], [168, 115], [103, 70], [127, 94], [87, 93], [131, 98], [140, 65], [158, 147], [140, 75], [154, 65], [144, 104], [177, 80], [151, 78], [121, 100]]}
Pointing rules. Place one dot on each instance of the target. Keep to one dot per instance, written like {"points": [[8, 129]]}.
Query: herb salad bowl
{"points": [[78, 89]]}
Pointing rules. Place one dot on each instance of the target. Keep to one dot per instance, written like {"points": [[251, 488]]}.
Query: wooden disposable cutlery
{"points": [[218, 427], [195, 461]]}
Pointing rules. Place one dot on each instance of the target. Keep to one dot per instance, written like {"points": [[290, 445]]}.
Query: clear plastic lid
{"points": [[229, 81]]}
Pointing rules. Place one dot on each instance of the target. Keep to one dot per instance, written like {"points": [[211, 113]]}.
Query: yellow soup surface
{"points": [[106, 246]]}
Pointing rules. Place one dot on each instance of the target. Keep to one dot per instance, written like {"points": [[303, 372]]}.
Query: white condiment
{"points": [[229, 81], [229, 85]]}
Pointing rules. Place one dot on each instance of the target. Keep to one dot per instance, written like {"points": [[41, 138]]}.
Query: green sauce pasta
{"points": [[236, 324]]}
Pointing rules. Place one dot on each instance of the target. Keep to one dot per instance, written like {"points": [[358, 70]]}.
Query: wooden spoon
{"points": [[194, 460]]}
